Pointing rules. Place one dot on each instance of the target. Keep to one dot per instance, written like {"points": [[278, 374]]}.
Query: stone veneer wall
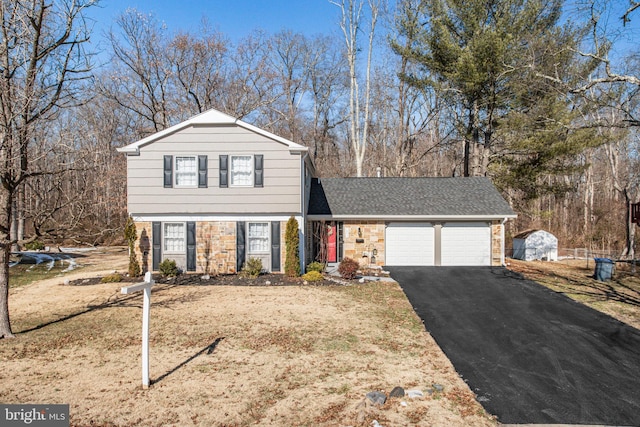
{"points": [[143, 245], [216, 247], [372, 238], [496, 243]]}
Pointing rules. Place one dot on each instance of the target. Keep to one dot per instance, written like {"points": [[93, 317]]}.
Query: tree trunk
{"points": [[6, 206], [630, 231]]}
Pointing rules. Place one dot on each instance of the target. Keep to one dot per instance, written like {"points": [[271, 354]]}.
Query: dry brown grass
{"points": [[228, 356], [619, 298]]}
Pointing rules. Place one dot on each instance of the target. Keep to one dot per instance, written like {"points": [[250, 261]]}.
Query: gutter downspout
{"points": [[303, 212], [504, 221]]}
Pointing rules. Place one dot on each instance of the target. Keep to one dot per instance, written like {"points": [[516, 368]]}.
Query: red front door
{"points": [[332, 243]]}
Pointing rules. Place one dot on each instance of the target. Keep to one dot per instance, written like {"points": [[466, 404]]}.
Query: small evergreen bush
{"points": [[316, 266], [252, 268], [168, 268], [131, 234], [312, 276], [348, 268], [112, 278], [36, 245], [292, 241]]}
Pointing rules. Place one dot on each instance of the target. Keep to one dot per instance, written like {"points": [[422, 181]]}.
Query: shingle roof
{"points": [[393, 197]]}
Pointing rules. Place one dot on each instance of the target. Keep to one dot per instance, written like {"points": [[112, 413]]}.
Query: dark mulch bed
{"points": [[193, 279]]}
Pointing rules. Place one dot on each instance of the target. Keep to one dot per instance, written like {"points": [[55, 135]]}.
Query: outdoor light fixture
{"points": [[359, 232]]}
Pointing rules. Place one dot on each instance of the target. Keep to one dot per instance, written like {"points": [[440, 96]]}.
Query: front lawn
{"points": [[230, 355]]}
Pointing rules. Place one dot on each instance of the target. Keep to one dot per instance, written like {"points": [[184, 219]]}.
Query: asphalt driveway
{"points": [[530, 354]]}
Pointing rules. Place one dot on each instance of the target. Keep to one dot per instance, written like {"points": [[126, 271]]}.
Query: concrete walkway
{"points": [[531, 355]]}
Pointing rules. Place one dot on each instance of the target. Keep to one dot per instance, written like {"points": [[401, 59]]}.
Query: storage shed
{"points": [[535, 245]]}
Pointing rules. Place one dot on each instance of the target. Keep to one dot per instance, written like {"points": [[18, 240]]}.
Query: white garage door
{"points": [[466, 243], [409, 244]]}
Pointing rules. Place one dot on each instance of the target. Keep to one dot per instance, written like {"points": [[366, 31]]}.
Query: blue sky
{"points": [[234, 18], [237, 18]]}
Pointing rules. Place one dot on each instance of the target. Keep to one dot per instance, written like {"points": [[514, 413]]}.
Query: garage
{"points": [[466, 243], [410, 243], [407, 221]]}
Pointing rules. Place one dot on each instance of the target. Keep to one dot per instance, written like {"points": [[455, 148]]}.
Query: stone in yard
{"points": [[66, 282], [205, 277], [414, 394], [361, 280], [377, 397], [438, 387], [268, 282], [397, 392]]}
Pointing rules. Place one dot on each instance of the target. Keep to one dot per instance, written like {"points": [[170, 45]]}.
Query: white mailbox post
{"points": [[146, 311]]}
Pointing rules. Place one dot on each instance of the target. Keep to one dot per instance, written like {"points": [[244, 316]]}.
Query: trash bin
{"points": [[604, 269]]}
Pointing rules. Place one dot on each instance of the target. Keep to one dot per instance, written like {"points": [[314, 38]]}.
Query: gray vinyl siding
{"points": [[282, 168]]}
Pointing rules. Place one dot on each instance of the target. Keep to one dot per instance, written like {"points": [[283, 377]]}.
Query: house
{"points": [[213, 191], [535, 245]]}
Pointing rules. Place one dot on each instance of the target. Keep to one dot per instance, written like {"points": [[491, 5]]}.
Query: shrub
{"points": [[131, 234], [168, 268], [292, 240], [36, 245], [316, 266], [348, 268], [112, 278], [312, 276], [252, 268]]}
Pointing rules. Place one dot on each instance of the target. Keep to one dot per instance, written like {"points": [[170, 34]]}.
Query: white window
{"points": [[258, 237], [174, 237], [242, 171], [186, 171]]}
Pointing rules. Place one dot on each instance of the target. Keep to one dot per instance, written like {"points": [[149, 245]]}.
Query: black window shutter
{"points": [[275, 246], [224, 171], [240, 245], [258, 170], [156, 232], [168, 171], [191, 246], [202, 172]]}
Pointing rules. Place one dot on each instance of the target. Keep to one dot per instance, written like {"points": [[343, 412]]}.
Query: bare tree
{"points": [[201, 70], [141, 70], [41, 64], [351, 25]]}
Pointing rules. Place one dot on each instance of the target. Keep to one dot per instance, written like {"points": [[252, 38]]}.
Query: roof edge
{"points": [[209, 117]]}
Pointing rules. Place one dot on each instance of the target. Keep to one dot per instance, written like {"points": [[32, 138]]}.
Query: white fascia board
{"points": [[204, 218], [210, 117], [410, 217], [292, 145]]}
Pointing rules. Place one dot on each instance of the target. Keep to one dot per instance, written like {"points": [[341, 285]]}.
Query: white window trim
{"points": [[253, 170], [268, 250], [164, 242], [175, 170]]}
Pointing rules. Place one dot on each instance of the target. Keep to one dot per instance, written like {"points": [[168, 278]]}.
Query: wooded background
{"points": [[540, 95]]}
